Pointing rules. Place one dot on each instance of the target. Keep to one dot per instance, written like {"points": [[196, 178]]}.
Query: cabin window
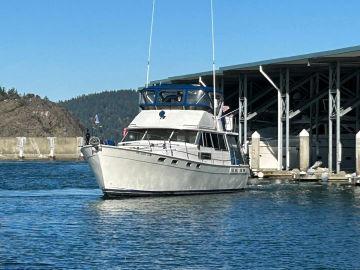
{"points": [[207, 140], [215, 140], [134, 135], [171, 96], [212, 140], [199, 97], [187, 136], [204, 155], [148, 97], [222, 144], [158, 134], [235, 154], [201, 140]]}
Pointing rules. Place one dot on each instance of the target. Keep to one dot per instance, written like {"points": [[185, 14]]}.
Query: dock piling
{"points": [[255, 151], [357, 154], [304, 150]]}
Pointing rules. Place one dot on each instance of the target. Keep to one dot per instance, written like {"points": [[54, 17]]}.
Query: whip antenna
{"points": [[213, 56], [150, 39]]}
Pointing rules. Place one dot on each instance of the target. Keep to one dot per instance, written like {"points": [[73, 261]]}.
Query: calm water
{"points": [[52, 216]]}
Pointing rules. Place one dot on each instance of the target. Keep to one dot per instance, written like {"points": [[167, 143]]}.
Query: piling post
{"points": [[21, 145], [357, 153], [255, 151], [52, 147], [304, 150], [80, 143]]}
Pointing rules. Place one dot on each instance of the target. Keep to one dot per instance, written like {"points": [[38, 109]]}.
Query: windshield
{"points": [[199, 97], [169, 96], [188, 136], [148, 96], [134, 135], [158, 134]]}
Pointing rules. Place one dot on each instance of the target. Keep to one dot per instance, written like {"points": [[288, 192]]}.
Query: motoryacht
{"points": [[177, 144]]}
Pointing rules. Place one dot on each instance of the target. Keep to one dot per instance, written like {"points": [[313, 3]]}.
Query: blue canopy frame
{"points": [[176, 88]]}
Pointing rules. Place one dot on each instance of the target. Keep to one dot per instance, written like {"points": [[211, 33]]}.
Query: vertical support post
{"points": [[280, 104], [357, 124], [245, 108], [304, 150], [255, 151], [334, 108], [338, 126], [357, 154], [332, 96], [222, 85], [283, 115], [287, 117], [243, 111], [311, 114], [317, 148]]}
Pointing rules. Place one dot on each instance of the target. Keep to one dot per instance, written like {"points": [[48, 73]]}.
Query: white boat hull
{"points": [[120, 172]]}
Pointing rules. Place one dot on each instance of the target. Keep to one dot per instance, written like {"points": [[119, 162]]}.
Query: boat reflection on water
{"points": [[211, 205]]}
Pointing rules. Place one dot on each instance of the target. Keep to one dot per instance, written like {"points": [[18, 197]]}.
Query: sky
{"points": [[63, 49]]}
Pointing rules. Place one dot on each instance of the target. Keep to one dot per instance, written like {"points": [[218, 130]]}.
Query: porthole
{"points": [[174, 162], [188, 164], [198, 166], [161, 159]]}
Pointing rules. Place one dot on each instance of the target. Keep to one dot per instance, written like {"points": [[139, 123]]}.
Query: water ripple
{"points": [[52, 216]]}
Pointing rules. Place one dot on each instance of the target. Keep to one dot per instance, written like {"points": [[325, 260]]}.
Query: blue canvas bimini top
{"points": [[178, 96]]}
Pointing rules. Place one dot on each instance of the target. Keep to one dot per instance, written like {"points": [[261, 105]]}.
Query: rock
{"points": [[31, 116]]}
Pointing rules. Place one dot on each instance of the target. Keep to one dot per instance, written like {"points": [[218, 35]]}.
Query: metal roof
{"points": [[349, 55]]}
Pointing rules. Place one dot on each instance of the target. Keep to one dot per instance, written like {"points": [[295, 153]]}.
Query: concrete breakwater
{"points": [[37, 148]]}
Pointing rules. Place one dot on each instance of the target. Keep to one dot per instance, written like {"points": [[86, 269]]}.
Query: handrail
{"points": [[153, 147]]}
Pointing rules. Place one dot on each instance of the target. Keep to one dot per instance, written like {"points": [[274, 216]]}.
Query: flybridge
{"points": [[179, 96]]}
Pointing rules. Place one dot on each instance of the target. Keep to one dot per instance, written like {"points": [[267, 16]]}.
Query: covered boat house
{"points": [[279, 98]]}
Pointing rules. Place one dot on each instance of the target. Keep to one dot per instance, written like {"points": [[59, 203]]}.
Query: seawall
{"points": [[38, 148]]}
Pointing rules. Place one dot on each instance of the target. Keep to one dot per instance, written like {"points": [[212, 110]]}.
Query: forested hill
{"points": [[32, 116], [115, 110]]}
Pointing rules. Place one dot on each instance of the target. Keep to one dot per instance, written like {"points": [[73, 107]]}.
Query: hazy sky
{"points": [[62, 49]]}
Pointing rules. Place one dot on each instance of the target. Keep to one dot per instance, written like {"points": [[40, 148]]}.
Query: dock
{"points": [[294, 111]]}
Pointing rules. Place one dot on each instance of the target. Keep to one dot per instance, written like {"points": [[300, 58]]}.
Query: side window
{"points": [[207, 138], [201, 140], [222, 143], [215, 140], [235, 154]]}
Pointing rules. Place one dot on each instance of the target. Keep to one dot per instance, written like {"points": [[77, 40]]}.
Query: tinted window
{"points": [[201, 141], [188, 136], [170, 96], [234, 150], [222, 143], [204, 155], [158, 134], [199, 97], [134, 135], [148, 96], [207, 138], [215, 140]]}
